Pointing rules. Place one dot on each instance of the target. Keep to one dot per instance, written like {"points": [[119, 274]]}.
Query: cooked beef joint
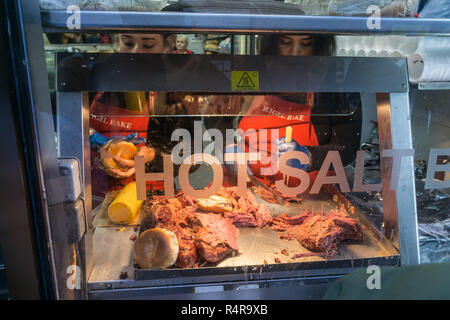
{"points": [[208, 237], [323, 232], [210, 247], [202, 237], [219, 229], [241, 219]]}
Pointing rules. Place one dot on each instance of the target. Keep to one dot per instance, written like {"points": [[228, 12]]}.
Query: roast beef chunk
{"points": [[187, 254], [241, 219], [323, 232], [163, 215], [317, 233], [285, 221], [221, 229], [351, 229], [148, 220], [186, 201], [209, 246]]}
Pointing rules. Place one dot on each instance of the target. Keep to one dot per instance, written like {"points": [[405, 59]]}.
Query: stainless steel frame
{"points": [[129, 72], [392, 81], [386, 77], [55, 21]]}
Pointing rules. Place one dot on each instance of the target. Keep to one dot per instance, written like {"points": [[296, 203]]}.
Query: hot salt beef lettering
{"points": [[242, 160], [433, 167], [340, 178], [183, 175], [358, 185], [293, 172], [166, 176], [332, 160], [397, 156]]}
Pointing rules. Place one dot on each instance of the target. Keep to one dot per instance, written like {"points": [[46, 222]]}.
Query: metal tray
{"points": [[258, 249]]}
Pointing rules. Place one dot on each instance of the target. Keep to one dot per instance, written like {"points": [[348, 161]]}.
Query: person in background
{"points": [[181, 43], [314, 131], [123, 116]]}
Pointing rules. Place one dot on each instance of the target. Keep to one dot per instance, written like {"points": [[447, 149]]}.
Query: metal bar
{"points": [[406, 191], [297, 288], [389, 196], [22, 270], [211, 73], [37, 134], [56, 21], [434, 86], [246, 273], [73, 142]]}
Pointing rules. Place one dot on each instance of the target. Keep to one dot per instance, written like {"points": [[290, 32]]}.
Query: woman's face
{"points": [[142, 43], [295, 45], [181, 44]]}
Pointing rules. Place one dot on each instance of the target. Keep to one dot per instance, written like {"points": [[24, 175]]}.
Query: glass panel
{"points": [[323, 132], [262, 207], [430, 126]]}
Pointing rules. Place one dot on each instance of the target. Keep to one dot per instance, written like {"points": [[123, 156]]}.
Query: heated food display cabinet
{"points": [[90, 257]]}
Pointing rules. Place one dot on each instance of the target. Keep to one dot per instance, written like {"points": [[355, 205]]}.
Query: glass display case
{"points": [[267, 166]]}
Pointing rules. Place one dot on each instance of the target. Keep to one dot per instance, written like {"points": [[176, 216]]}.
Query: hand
{"points": [[284, 146], [128, 166]]}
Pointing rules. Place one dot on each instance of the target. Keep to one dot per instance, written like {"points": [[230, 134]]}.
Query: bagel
{"points": [[123, 149], [215, 203], [156, 248]]}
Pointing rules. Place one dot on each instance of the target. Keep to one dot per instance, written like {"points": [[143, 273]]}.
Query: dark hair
{"points": [[323, 45], [167, 41]]}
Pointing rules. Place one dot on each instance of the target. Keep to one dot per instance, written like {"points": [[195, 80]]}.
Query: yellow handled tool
{"points": [[288, 139], [289, 134]]}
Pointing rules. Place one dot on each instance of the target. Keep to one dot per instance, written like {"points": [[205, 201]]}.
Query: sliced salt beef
{"points": [[322, 232], [284, 221], [215, 236], [187, 254], [247, 211], [317, 233], [241, 219], [185, 200], [163, 215], [222, 229], [351, 229], [263, 216], [265, 194], [210, 247]]}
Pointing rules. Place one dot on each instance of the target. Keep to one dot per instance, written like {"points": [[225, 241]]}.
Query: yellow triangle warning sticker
{"points": [[245, 80]]}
